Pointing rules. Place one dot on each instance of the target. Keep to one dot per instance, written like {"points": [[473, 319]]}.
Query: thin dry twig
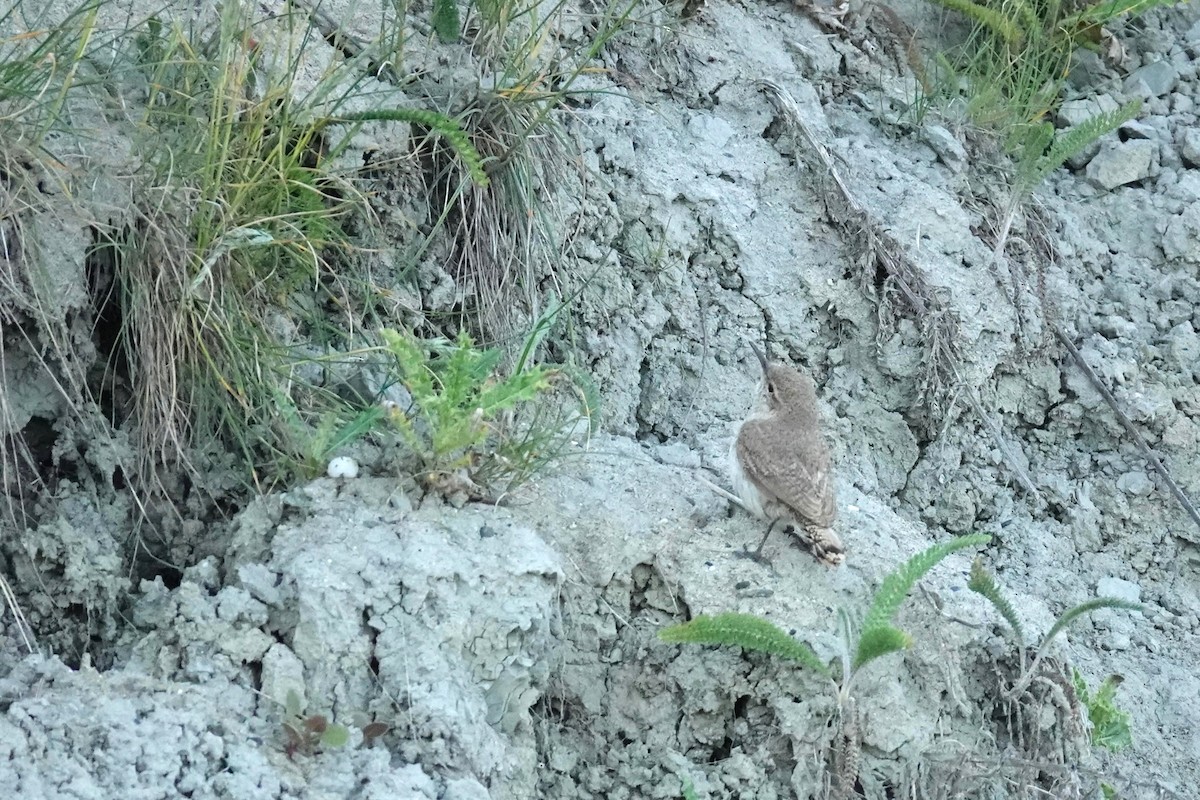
{"points": [[1127, 423]]}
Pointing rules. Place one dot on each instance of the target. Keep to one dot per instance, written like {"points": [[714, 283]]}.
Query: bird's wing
{"points": [[800, 479]]}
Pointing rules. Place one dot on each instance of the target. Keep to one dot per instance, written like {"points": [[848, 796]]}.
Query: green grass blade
{"points": [[747, 632], [999, 24], [878, 642], [1107, 10]]}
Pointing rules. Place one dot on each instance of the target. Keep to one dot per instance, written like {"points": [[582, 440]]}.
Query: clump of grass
{"points": [[40, 58], [1016, 59], [507, 238], [236, 274]]}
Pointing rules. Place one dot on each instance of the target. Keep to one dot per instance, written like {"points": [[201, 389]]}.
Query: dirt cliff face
{"points": [[512, 649]]}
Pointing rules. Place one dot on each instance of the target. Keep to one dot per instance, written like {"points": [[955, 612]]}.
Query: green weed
{"points": [[1016, 59], [444, 19], [877, 635], [309, 734], [463, 425], [40, 60], [1110, 725], [507, 237], [235, 277]]}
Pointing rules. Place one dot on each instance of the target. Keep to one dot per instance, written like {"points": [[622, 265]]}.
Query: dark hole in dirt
{"points": [[40, 438], [101, 268], [773, 130], [721, 752], [171, 576], [255, 668], [554, 708]]}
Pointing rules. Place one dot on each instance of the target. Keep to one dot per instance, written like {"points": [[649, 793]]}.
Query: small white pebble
{"points": [[342, 467]]}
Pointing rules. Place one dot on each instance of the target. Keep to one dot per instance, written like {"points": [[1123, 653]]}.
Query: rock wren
{"points": [[780, 462]]}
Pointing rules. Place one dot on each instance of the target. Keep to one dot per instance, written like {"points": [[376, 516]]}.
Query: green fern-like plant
{"points": [[748, 632], [879, 637], [457, 397], [1005, 27], [444, 126], [1018, 55], [1044, 151], [1039, 151], [1074, 613], [982, 583], [445, 20]]}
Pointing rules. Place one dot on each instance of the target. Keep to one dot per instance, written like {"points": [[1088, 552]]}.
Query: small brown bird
{"points": [[781, 468]]}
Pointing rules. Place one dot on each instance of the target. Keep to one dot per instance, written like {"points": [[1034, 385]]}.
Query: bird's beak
{"points": [[762, 359]]}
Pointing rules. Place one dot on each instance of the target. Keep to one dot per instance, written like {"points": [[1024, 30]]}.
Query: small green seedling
{"points": [[308, 734], [1110, 725]]}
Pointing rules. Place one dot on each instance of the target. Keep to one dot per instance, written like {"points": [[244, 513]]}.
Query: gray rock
{"points": [[1181, 239], [1184, 344], [465, 789], [947, 146], [1073, 112], [677, 454], [1155, 79], [1087, 69], [282, 673], [711, 130], [1189, 147], [1139, 129], [1136, 483], [1121, 589], [1121, 163], [261, 582]]}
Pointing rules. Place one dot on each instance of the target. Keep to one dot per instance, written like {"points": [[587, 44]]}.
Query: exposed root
{"points": [[904, 284]]}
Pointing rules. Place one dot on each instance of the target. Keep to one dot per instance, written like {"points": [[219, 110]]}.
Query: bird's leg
{"points": [[757, 554]]}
